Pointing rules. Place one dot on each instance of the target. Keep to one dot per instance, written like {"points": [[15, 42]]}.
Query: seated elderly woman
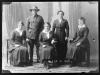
{"points": [[18, 50], [79, 46], [47, 49]]}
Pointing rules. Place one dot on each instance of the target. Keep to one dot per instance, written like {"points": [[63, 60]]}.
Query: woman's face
{"points": [[60, 15], [20, 26], [46, 27], [80, 22]]}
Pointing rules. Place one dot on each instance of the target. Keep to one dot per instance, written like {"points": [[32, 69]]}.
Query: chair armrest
{"points": [[9, 44], [7, 49]]}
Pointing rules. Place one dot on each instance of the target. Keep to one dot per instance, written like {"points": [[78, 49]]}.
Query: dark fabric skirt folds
{"points": [[77, 53], [47, 53], [19, 56], [61, 50]]}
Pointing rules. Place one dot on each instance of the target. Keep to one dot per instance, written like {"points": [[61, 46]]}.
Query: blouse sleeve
{"points": [[67, 29], [53, 26], [54, 36], [24, 35], [24, 38], [85, 34], [75, 36], [12, 37]]}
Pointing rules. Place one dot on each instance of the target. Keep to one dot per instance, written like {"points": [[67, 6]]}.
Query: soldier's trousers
{"points": [[31, 44]]}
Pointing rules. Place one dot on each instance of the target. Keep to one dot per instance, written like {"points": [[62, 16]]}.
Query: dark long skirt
{"points": [[77, 54], [71, 51], [19, 56], [61, 50], [47, 53]]}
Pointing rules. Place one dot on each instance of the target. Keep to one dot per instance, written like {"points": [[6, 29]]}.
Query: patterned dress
{"points": [[48, 52], [19, 53], [77, 53]]}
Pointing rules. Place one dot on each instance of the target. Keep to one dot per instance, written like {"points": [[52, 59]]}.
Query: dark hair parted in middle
{"points": [[60, 11]]}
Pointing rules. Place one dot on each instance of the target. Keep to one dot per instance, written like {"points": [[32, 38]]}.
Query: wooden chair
{"points": [[8, 48]]}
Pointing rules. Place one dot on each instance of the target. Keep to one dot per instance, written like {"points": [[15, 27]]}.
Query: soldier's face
{"points": [[34, 12]]}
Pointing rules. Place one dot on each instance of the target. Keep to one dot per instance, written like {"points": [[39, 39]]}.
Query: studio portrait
{"points": [[50, 37]]}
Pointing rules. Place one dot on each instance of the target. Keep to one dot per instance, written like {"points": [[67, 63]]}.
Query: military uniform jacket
{"points": [[34, 26]]}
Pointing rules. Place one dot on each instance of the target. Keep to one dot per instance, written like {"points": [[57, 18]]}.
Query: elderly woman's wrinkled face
{"points": [[60, 15], [80, 22], [46, 27], [20, 25]]}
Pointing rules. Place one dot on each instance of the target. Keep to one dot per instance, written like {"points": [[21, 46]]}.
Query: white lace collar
{"points": [[47, 33], [81, 26], [19, 31], [60, 20]]}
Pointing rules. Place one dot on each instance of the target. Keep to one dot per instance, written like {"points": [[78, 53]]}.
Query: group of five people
{"points": [[50, 42]]}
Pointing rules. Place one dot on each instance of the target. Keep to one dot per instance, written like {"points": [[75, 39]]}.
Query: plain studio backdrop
{"points": [[16, 11]]}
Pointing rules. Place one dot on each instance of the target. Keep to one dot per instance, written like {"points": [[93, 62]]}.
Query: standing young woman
{"points": [[61, 29], [80, 45]]}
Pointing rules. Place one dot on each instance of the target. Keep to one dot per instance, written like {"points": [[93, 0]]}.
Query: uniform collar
{"points": [[46, 31], [19, 31]]}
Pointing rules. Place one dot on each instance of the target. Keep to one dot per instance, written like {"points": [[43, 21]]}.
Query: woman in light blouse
{"points": [[47, 51], [18, 50], [80, 47]]}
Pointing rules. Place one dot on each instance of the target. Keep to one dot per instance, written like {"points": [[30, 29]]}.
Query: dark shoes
{"points": [[46, 65], [30, 62], [38, 61]]}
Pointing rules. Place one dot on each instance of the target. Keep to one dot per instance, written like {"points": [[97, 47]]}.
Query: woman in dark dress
{"points": [[80, 47], [19, 53], [61, 29], [47, 51]]}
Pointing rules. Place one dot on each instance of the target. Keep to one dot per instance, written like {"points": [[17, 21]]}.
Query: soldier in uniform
{"points": [[34, 26]]}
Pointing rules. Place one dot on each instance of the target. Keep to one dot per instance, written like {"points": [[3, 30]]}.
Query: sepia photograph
{"points": [[50, 37]]}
